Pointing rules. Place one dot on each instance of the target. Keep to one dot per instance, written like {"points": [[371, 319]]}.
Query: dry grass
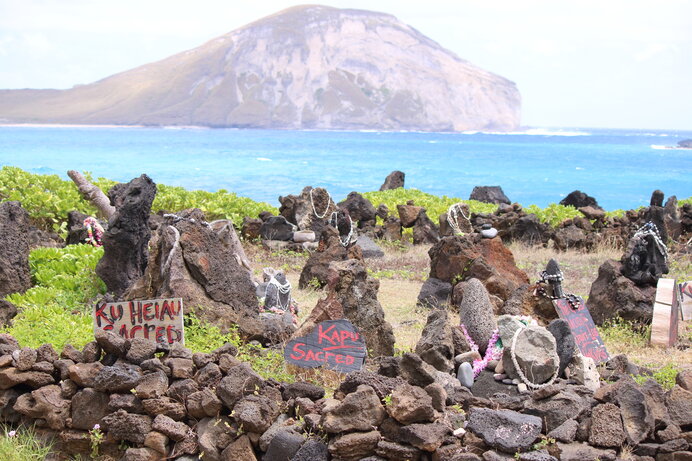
{"points": [[404, 268]]}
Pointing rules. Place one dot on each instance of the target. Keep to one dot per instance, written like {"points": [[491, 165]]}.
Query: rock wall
{"points": [[216, 407]]}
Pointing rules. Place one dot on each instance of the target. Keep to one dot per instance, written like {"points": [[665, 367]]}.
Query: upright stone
{"points": [[564, 339], [476, 313], [579, 199], [489, 194], [126, 241], [436, 344], [394, 180], [14, 249]]}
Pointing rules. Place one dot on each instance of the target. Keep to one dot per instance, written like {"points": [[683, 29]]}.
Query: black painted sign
{"points": [[584, 330], [334, 344]]}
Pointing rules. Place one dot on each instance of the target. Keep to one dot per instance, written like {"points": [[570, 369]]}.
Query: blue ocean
{"points": [[620, 168]]}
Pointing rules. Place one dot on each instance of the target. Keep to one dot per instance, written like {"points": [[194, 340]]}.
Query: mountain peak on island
{"points": [[306, 67]]}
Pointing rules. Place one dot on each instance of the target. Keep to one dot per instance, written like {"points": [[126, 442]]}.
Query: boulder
{"points": [[459, 258], [394, 180], [358, 411], [614, 295], [356, 292], [579, 199], [359, 208], [369, 248], [460, 217], [239, 449], [505, 430], [408, 214], [565, 342], [570, 237], [189, 260], [310, 210], [557, 409], [391, 229], [15, 276], [679, 403], [312, 450], [256, 412], [251, 228], [580, 452], [7, 312], [45, 403], [354, 446], [424, 230], [436, 344], [489, 194], [330, 249], [276, 228], [535, 352], [435, 293], [382, 385], [241, 380], [411, 404], [590, 212], [76, 232], [125, 243], [284, 446], [606, 426], [88, 408], [203, 404], [476, 313], [526, 229], [637, 419], [427, 437]]}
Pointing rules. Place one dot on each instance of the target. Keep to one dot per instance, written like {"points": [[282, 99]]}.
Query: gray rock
{"points": [[435, 293], [88, 408], [358, 411], [256, 413], [152, 385], [396, 451], [557, 409], [565, 432], [505, 430], [369, 248], [284, 446], [581, 451], [416, 371], [564, 340], [476, 313], [427, 437], [410, 404], [465, 375], [173, 429], [436, 344], [508, 325], [303, 389], [359, 208], [140, 350], [276, 228], [679, 403], [241, 380], [382, 385], [606, 426], [14, 249], [637, 419], [203, 404], [536, 355], [125, 426], [312, 450], [354, 446], [117, 379]]}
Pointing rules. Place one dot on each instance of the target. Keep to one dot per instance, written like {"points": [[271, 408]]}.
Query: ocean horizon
{"points": [[620, 168]]}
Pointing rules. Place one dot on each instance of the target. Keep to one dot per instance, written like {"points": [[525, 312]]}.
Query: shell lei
{"points": [[492, 352], [94, 231]]}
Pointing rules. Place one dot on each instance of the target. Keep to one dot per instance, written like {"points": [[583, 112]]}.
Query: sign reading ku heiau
{"points": [[159, 320], [334, 344]]}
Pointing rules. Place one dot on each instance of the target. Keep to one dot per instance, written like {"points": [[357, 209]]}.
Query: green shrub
{"points": [[665, 376], [553, 214], [205, 337], [22, 445], [57, 309], [433, 204]]}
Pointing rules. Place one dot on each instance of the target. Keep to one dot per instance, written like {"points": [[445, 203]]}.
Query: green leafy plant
{"points": [[665, 376], [22, 445], [95, 439], [387, 400], [553, 214], [544, 442], [65, 285]]}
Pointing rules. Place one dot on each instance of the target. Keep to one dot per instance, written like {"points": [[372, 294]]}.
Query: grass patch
{"points": [[22, 445]]}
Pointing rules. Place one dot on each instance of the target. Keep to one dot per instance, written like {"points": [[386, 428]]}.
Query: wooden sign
{"points": [[584, 330], [159, 320], [685, 299], [334, 344], [665, 319]]}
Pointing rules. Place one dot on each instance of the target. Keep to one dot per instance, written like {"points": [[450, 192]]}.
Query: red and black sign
{"points": [[584, 330], [334, 344]]}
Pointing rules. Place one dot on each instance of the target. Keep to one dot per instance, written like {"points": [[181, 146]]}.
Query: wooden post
{"points": [[664, 323]]}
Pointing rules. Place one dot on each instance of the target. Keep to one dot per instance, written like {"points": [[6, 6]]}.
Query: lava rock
{"points": [[15, 276], [489, 194], [505, 430]]}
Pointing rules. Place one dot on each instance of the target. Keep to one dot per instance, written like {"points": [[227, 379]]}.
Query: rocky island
{"points": [[307, 67]]}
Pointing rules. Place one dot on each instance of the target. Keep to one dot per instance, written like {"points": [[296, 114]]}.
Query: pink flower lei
{"points": [[94, 231], [492, 352]]}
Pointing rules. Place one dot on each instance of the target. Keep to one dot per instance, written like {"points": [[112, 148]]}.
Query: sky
{"points": [[585, 63]]}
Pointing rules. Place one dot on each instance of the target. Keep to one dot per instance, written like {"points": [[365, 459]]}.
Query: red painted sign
{"points": [[584, 330], [334, 344], [159, 320]]}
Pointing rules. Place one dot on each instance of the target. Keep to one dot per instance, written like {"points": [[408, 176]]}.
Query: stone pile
{"points": [[185, 406]]}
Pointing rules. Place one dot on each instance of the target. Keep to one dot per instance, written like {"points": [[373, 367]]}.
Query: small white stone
{"points": [[499, 376], [522, 388], [459, 432], [515, 381]]}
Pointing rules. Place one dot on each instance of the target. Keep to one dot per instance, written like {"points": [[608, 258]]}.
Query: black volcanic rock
{"points": [[579, 199]]}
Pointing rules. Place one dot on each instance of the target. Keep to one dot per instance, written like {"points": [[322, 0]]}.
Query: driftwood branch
{"points": [[93, 194]]}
